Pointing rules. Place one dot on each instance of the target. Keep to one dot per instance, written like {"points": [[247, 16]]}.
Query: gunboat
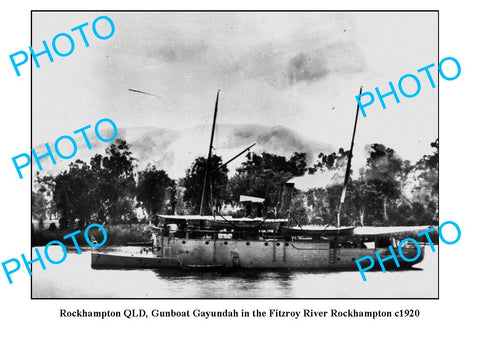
{"points": [[216, 242]]}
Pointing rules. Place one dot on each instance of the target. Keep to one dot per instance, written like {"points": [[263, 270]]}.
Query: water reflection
{"points": [[76, 279]]}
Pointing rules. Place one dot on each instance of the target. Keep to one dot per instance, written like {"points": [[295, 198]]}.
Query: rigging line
{"points": [[266, 216], [337, 170], [331, 179], [293, 216], [229, 222], [329, 222]]}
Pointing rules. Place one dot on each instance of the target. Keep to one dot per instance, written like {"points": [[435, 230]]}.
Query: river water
{"points": [[74, 278]]}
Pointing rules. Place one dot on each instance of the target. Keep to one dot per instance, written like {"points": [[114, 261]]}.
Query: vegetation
{"points": [[380, 195], [109, 190], [216, 185], [262, 176], [153, 187]]}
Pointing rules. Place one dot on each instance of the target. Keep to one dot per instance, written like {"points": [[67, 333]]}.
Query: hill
{"points": [[175, 150]]}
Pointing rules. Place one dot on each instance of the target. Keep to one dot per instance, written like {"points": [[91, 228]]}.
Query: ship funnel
{"points": [[287, 194]]}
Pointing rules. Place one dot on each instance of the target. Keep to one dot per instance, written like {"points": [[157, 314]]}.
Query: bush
{"points": [[120, 235]]}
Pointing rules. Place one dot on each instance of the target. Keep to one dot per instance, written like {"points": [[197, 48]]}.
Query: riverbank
{"points": [[118, 235]]}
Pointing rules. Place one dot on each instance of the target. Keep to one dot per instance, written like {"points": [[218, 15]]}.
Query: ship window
{"points": [[266, 243], [225, 243], [207, 243], [248, 243], [183, 242], [278, 244], [286, 244]]}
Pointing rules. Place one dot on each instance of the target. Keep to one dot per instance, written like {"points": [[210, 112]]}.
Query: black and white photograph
{"points": [[235, 154]]}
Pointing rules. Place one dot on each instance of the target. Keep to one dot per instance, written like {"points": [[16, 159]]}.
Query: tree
{"points": [[177, 195], [44, 185], [173, 197], [383, 168], [317, 202], [364, 202], [428, 166], [378, 196], [372, 198], [425, 188], [101, 192], [115, 182], [298, 164], [262, 176], [333, 161], [216, 184], [153, 188], [74, 194], [39, 207]]}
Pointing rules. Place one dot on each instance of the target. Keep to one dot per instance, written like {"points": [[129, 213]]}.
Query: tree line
{"points": [[109, 189]]}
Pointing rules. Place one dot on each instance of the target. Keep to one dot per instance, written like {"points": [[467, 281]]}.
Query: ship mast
{"points": [[207, 172], [349, 165]]}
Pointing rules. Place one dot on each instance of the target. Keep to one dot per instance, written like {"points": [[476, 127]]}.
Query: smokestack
{"points": [[287, 193]]}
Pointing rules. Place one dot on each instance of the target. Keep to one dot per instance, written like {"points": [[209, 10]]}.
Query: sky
{"points": [[298, 70]]}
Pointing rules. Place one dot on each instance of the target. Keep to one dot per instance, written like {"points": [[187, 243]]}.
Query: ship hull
{"points": [[133, 261], [255, 254]]}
